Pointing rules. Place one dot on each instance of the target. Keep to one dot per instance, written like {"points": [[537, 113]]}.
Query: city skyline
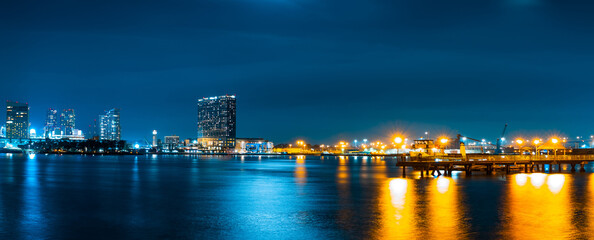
{"points": [[108, 127], [358, 69]]}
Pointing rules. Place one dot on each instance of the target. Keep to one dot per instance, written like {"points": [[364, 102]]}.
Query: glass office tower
{"points": [[217, 122], [17, 120], [109, 125], [67, 121]]}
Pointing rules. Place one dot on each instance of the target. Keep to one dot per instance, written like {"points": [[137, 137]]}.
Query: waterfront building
{"points": [[211, 144], [51, 127], [67, 122], [171, 142], [217, 122], [253, 145], [3, 131], [109, 125], [32, 133], [17, 120], [61, 126]]}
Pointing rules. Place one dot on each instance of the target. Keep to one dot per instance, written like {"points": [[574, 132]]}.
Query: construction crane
{"points": [[147, 142], [459, 137], [498, 147]]}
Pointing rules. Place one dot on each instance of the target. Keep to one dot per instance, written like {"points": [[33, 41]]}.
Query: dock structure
{"points": [[489, 163]]}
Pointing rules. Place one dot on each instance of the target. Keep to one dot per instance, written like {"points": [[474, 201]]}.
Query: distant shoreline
{"points": [[213, 154]]}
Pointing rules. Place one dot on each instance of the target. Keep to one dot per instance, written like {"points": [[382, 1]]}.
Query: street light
{"points": [[554, 141], [398, 140], [536, 142], [443, 142]]}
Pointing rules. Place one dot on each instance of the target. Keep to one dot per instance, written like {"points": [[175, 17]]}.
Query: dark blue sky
{"points": [[317, 70]]}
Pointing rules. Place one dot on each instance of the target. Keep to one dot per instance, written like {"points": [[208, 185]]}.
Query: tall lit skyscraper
{"points": [[17, 120], [3, 131], [51, 127], [109, 125], [68, 122], [154, 138], [216, 119]]}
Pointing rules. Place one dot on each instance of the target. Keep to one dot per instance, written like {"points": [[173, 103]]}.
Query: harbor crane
{"points": [[460, 137], [498, 147], [497, 144]]}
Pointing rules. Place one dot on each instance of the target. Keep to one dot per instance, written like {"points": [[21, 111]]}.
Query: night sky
{"points": [[322, 70]]}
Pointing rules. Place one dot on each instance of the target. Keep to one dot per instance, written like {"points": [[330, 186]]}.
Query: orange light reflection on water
{"points": [[300, 170], [590, 204], [342, 173], [408, 213], [445, 211], [398, 199], [533, 211]]}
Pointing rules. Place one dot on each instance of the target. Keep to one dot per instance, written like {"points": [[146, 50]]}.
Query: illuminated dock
{"points": [[491, 163]]}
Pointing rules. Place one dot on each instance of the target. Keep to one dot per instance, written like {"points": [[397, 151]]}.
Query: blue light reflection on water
{"points": [[271, 197], [33, 222]]}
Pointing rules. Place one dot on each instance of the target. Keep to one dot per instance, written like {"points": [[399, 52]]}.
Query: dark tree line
{"points": [[86, 146]]}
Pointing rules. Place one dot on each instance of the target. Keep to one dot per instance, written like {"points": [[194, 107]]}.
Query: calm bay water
{"points": [[272, 197]]}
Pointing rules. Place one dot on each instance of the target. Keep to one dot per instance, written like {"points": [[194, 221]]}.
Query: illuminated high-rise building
{"points": [[109, 125], [52, 126], [171, 142], [154, 138], [68, 122], [217, 121], [3, 131], [17, 120]]}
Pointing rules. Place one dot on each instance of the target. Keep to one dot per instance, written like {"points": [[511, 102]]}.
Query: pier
{"points": [[490, 163]]}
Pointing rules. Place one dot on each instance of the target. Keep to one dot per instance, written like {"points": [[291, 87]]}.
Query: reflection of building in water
{"points": [[538, 205]]}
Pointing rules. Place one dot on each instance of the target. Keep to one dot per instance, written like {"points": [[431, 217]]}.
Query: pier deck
{"points": [[491, 163]]}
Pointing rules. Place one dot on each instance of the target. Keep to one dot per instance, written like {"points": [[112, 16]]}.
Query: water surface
{"points": [[274, 197]]}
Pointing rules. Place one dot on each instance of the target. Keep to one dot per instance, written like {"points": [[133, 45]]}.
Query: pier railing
{"points": [[504, 158]]}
